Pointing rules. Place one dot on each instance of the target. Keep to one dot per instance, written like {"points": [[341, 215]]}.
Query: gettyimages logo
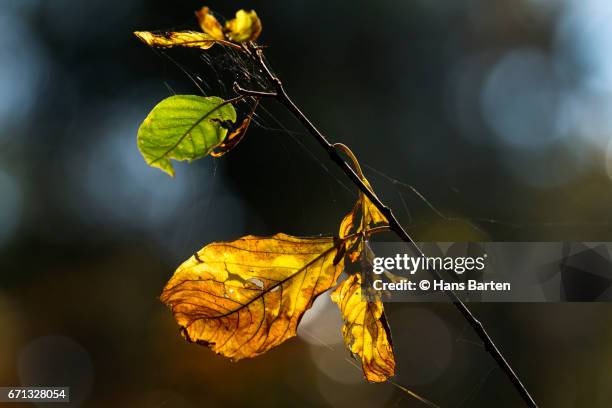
{"points": [[403, 263], [492, 272]]}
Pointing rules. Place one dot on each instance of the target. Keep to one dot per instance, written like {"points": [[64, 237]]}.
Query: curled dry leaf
{"points": [[191, 39], [365, 330], [243, 298], [209, 24], [363, 217], [355, 226], [232, 139], [246, 26], [236, 135]]}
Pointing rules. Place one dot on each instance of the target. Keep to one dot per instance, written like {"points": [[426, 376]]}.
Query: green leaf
{"points": [[183, 127]]}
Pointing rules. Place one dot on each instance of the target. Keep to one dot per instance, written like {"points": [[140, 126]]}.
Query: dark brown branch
{"points": [[281, 96]]}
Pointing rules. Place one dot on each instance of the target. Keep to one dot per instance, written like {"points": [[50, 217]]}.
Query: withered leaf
{"points": [[363, 217], [236, 135], [192, 39], [365, 330], [243, 298], [209, 24], [232, 139], [355, 226]]}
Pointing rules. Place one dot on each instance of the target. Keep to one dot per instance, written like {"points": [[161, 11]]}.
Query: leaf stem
{"points": [[281, 96]]}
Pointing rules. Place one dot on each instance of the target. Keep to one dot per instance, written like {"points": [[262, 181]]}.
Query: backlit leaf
{"points": [[243, 298], [365, 330], [363, 217], [245, 27], [192, 39], [183, 127], [209, 24]]}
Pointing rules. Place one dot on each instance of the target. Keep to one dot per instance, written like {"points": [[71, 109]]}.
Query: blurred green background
{"points": [[498, 112]]}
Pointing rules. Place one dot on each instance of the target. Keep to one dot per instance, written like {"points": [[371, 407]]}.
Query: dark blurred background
{"points": [[498, 112]]}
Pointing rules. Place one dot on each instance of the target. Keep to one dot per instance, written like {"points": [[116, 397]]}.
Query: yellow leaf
{"points": [[193, 39], [209, 24], [355, 226], [243, 298], [365, 330], [245, 27], [363, 216]]}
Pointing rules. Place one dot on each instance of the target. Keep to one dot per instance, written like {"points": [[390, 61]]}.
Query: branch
{"points": [[247, 92], [281, 96]]}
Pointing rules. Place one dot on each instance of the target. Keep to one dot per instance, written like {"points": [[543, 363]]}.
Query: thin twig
{"points": [[281, 96], [238, 89]]}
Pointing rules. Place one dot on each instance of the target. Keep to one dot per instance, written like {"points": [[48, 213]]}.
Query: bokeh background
{"points": [[498, 112]]}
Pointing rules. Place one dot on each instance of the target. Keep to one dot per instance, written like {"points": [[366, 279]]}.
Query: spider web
{"points": [[219, 68]]}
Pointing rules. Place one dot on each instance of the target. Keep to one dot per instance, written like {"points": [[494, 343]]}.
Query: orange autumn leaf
{"points": [[209, 24], [243, 298], [365, 330]]}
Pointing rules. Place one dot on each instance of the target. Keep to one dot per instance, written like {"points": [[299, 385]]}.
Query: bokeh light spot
{"points": [[57, 361]]}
